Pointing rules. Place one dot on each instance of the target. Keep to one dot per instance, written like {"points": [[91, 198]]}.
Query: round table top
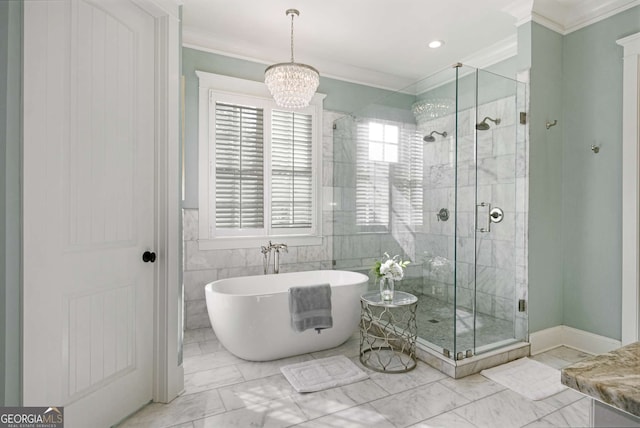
{"points": [[400, 298]]}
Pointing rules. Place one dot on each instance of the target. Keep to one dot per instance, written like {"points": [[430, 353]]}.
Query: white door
{"points": [[89, 155]]}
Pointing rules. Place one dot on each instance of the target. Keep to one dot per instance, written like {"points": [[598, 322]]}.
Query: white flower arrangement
{"points": [[390, 267]]}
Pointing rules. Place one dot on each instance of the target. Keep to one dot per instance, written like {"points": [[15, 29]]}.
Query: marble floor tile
{"points": [[198, 335], [562, 399], [209, 361], [322, 403], [191, 350], [568, 354], [254, 370], [574, 415], [504, 409], [445, 420], [363, 416], [350, 349], [550, 360], [364, 391], [472, 387], [210, 379], [223, 391], [398, 382], [435, 319], [333, 400], [209, 346], [272, 414], [255, 391], [182, 410], [418, 404]]}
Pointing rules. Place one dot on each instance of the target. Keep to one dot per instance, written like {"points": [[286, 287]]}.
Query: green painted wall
{"points": [[341, 96], [575, 196], [10, 201], [545, 178], [592, 183]]}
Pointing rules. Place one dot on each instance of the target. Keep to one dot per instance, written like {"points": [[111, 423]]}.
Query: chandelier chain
{"points": [[292, 85], [292, 15]]}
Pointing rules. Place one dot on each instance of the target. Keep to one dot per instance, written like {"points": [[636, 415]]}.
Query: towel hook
{"points": [[550, 124]]}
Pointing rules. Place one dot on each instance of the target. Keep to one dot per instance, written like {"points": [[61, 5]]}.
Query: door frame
{"points": [[630, 328], [168, 373]]}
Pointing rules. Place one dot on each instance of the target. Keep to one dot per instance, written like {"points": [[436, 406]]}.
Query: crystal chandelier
{"points": [[425, 110], [291, 84]]}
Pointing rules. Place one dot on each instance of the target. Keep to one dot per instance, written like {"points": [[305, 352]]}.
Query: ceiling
{"points": [[381, 43]]}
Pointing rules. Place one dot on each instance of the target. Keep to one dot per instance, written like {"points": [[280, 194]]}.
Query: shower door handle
{"points": [[494, 215], [479, 209]]}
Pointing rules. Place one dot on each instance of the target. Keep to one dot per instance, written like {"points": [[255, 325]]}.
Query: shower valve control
{"points": [[496, 215], [443, 214]]}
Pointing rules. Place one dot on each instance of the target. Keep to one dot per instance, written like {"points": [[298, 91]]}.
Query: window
{"points": [[291, 170], [388, 174], [262, 167], [383, 142], [239, 167], [407, 177], [375, 148]]}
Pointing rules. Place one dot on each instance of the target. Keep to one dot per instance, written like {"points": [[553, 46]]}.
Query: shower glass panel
{"points": [[495, 198], [414, 174]]}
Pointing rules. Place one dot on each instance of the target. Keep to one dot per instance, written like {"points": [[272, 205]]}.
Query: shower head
{"points": [[430, 138], [483, 126]]}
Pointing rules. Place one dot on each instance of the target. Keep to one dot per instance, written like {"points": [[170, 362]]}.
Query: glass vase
{"points": [[386, 289]]}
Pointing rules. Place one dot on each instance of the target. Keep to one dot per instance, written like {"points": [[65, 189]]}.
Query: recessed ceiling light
{"points": [[436, 44]]}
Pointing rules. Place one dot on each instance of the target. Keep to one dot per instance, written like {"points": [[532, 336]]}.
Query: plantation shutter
{"points": [[416, 168], [291, 170], [239, 167], [372, 183], [407, 179]]}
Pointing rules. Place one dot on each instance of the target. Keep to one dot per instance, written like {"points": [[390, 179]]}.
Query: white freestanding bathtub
{"points": [[250, 314]]}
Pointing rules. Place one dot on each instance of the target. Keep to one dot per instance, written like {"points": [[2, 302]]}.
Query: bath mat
{"points": [[530, 378], [325, 373]]}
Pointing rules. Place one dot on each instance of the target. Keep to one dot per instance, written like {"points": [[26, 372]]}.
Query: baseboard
{"points": [[563, 335], [546, 339]]}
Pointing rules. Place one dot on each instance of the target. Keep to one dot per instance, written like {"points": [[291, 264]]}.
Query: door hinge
{"points": [[523, 118], [522, 305]]}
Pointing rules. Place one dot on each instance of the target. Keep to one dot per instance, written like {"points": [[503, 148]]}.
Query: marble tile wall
{"points": [[501, 178], [356, 247], [204, 266]]}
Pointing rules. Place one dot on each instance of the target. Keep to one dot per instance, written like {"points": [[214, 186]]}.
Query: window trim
{"points": [[230, 87]]}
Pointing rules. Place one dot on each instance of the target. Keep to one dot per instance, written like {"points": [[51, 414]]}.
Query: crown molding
{"points": [[493, 54], [484, 58], [566, 16], [201, 41], [561, 16]]}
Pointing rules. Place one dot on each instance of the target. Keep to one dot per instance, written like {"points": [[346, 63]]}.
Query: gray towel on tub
{"points": [[310, 307]]}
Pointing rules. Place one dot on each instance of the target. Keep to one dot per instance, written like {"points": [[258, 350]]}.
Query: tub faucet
{"points": [[276, 257], [266, 256]]}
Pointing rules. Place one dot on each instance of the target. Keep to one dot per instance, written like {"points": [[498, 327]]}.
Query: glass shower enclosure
{"points": [[436, 174]]}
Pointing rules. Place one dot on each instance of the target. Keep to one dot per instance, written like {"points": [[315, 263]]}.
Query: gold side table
{"points": [[388, 332]]}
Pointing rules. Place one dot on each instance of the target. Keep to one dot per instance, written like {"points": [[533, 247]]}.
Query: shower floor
{"points": [[435, 325]]}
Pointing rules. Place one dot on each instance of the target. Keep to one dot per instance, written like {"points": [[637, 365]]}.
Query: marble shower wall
{"points": [[501, 177], [355, 247], [204, 266], [497, 173]]}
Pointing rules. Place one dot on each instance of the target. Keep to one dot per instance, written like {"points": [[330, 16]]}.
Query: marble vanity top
{"points": [[613, 378]]}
